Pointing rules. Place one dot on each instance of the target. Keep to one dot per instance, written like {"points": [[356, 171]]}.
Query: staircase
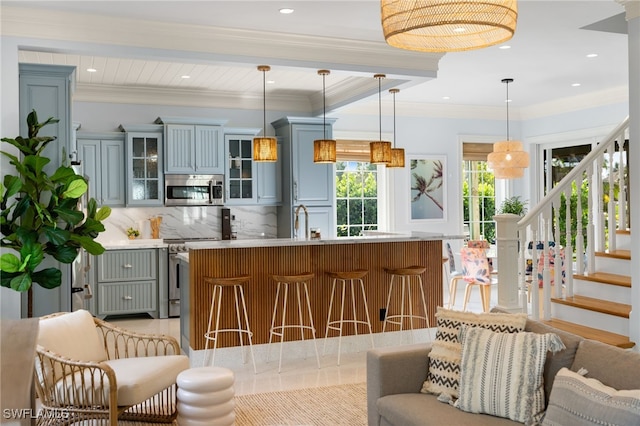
{"points": [[593, 301]]}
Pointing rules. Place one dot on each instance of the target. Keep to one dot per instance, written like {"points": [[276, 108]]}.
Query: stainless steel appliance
{"points": [[174, 247], [193, 190]]}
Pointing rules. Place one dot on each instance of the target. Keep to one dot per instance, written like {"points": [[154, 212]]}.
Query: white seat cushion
{"points": [[138, 379]]}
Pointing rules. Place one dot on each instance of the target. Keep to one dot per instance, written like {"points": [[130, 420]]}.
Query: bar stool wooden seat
{"points": [[407, 275], [219, 283], [337, 325], [298, 281]]}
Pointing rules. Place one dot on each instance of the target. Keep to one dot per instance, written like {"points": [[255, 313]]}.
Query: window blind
{"points": [[476, 151]]}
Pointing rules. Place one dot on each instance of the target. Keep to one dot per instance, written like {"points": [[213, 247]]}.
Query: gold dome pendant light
{"points": [[265, 148], [397, 154], [380, 150], [324, 150], [508, 159], [447, 25]]}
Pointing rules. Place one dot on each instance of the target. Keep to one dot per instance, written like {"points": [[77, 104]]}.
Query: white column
{"points": [[507, 248], [632, 8]]}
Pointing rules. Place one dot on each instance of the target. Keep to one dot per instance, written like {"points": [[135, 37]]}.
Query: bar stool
{"points": [[298, 281], [219, 283], [343, 277], [406, 274]]}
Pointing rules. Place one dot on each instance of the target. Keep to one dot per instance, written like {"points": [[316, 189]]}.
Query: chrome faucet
{"points": [[296, 224]]}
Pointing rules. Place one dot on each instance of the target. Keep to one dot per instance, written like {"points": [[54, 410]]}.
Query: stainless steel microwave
{"points": [[193, 190]]}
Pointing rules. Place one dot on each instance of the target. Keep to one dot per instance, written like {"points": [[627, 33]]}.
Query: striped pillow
{"points": [[501, 373], [577, 400], [444, 358]]}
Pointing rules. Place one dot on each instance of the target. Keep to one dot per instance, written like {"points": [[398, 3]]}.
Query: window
{"points": [[478, 191], [356, 198]]}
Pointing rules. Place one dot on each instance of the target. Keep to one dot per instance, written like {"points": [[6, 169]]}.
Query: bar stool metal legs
{"points": [[216, 304], [343, 277], [282, 289], [406, 274]]}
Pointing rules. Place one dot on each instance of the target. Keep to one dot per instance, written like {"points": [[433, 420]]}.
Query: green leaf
{"points": [[9, 262], [6, 277], [57, 236], [33, 254], [21, 282], [21, 207], [62, 174], [91, 246], [36, 163], [48, 278], [91, 225], [92, 206], [103, 213], [64, 254], [72, 217], [75, 189], [13, 185]]}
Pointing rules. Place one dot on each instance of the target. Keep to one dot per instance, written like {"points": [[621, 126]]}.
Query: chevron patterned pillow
{"points": [[501, 373], [444, 358]]}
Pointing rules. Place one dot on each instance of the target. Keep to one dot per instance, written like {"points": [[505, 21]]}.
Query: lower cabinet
{"points": [[127, 282]]}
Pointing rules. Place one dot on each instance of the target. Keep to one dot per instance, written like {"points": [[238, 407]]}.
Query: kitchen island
{"points": [[262, 258]]}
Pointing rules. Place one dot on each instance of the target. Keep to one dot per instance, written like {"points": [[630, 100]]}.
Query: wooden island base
{"points": [[261, 262]]}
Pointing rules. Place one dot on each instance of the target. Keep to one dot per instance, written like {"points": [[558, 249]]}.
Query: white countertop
{"points": [[283, 242], [138, 243]]}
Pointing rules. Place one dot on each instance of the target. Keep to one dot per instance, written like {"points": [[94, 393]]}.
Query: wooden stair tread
{"points": [[606, 278], [616, 254], [596, 305], [592, 333], [623, 231]]}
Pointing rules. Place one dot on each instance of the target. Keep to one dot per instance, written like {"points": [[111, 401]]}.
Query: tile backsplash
{"points": [[190, 222]]}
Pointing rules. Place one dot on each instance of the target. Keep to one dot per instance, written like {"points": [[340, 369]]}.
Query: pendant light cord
{"points": [[507, 111], [324, 109], [264, 103], [380, 107], [394, 119]]}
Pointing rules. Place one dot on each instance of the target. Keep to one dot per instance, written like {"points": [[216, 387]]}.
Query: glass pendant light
{"points": [[324, 150], [380, 151], [508, 159], [397, 154], [265, 148]]}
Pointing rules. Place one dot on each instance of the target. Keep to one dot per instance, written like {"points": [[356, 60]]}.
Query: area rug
{"points": [[329, 405]]}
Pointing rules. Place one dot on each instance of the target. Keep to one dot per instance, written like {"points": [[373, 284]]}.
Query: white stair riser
{"points": [[623, 241], [613, 266], [610, 323], [612, 293]]}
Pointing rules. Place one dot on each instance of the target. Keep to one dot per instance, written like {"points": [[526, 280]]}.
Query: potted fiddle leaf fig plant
{"points": [[513, 205], [40, 215]]}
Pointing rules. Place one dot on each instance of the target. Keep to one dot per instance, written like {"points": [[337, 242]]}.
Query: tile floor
{"points": [[297, 371]]}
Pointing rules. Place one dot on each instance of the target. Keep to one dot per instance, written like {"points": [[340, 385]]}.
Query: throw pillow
{"points": [[501, 373], [578, 401], [444, 358]]}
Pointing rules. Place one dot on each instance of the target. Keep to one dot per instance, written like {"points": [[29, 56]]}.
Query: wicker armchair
{"points": [[88, 369]]}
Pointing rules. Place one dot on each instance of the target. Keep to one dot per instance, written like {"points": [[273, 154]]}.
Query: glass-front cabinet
{"points": [[240, 169], [145, 184]]}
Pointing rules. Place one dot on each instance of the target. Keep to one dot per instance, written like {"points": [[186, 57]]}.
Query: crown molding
{"points": [[205, 43]]}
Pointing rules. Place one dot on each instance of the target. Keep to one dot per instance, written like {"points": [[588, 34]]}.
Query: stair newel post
{"points": [[557, 255], [594, 192], [568, 248], [508, 274], [611, 209], [546, 269]]}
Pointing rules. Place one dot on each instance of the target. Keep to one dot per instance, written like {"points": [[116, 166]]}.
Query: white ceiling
{"points": [[547, 54]]}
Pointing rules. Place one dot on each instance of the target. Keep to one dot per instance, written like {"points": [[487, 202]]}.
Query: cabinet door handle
{"points": [[127, 297], [127, 266]]}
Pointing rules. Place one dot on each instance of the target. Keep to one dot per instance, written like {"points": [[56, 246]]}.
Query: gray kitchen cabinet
{"points": [[269, 179], [145, 178], [102, 156], [47, 90], [127, 282], [240, 173], [303, 181], [193, 145]]}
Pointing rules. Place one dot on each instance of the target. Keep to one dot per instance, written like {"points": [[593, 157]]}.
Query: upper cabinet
{"points": [[145, 179], [193, 145], [102, 157]]}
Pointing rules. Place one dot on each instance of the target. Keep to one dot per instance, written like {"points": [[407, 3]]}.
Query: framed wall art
{"points": [[427, 186]]}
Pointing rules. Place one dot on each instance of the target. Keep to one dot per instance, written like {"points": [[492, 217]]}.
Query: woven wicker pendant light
{"points": [[397, 154], [508, 159], [324, 150], [447, 25], [265, 148], [380, 151]]}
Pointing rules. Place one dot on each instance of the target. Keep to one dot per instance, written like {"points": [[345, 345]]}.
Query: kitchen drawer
{"points": [[127, 297], [127, 265]]}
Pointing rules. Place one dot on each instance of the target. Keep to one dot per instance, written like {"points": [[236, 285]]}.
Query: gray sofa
{"points": [[395, 376]]}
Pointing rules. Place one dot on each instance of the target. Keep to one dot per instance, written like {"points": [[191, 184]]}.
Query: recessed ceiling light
{"points": [[575, 85], [271, 82], [592, 55], [185, 76], [446, 98], [286, 11], [92, 70], [508, 100], [504, 47]]}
